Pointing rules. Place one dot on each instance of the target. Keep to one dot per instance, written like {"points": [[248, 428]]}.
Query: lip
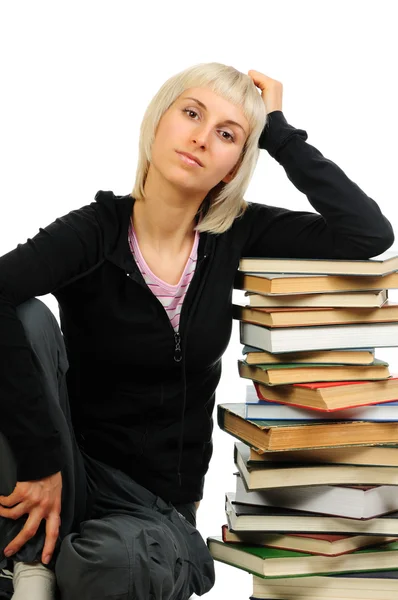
{"points": [[191, 156]]}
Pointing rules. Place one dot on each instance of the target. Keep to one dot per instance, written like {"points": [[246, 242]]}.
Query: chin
{"points": [[181, 178]]}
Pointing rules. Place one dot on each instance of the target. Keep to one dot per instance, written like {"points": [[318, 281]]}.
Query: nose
{"points": [[200, 136]]}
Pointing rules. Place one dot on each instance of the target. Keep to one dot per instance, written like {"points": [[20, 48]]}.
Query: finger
{"points": [[259, 79], [14, 513], [12, 499], [29, 530], [263, 81], [52, 530], [259, 75], [253, 77]]}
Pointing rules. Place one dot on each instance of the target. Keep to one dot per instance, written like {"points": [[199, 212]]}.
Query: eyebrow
{"points": [[229, 121]]}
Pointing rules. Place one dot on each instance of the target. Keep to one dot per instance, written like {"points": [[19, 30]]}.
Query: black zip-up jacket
{"points": [[142, 397]]}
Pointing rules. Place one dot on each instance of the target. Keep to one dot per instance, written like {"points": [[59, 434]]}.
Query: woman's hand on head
{"points": [[271, 90], [39, 499]]}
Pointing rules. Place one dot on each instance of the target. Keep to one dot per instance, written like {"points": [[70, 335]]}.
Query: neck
{"points": [[166, 217]]}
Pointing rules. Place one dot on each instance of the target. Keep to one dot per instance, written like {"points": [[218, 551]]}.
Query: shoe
{"points": [[33, 581]]}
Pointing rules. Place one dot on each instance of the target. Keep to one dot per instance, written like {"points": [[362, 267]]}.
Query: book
{"points": [[267, 410], [274, 562], [331, 395], [278, 476], [368, 585], [358, 356], [307, 317], [386, 456], [323, 544], [275, 411], [322, 337], [351, 501], [368, 299], [282, 283], [249, 518], [383, 264], [283, 374], [298, 435]]}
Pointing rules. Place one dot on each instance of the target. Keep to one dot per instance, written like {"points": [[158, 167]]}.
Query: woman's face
{"points": [[207, 126]]}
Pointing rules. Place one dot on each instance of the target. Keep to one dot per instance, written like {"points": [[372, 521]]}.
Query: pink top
{"points": [[171, 296]]}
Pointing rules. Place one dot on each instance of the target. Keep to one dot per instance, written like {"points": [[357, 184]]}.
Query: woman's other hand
{"points": [[271, 90], [39, 499]]}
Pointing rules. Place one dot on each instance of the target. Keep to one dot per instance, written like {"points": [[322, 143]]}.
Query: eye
{"points": [[189, 110], [230, 138]]}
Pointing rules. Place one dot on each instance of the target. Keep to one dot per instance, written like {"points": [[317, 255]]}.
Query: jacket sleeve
{"points": [[347, 223], [59, 253]]}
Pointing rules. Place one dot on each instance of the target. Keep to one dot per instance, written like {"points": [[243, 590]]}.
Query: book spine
{"points": [[221, 417]]}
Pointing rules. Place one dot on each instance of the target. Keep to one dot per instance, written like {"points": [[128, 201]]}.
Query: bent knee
{"points": [[93, 564], [119, 557], [43, 332], [34, 314]]}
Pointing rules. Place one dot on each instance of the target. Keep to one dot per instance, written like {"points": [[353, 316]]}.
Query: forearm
{"points": [[350, 224]]}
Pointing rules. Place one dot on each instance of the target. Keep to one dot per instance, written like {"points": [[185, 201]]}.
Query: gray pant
{"points": [[118, 540]]}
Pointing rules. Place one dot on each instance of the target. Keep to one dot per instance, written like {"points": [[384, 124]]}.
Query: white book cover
{"points": [[324, 337], [384, 263], [338, 500]]}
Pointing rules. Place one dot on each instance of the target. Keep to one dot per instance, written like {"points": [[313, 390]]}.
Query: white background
{"points": [[77, 76]]}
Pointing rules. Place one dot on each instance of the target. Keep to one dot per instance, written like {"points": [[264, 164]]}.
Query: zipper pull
{"points": [[177, 348]]}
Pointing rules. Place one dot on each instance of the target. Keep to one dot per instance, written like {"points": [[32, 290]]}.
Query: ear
{"points": [[229, 177]]}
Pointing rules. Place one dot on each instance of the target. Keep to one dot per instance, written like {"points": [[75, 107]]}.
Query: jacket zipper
{"points": [[177, 336], [177, 347]]}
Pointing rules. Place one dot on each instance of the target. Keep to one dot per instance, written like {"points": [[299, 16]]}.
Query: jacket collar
{"points": [[121, 255]]}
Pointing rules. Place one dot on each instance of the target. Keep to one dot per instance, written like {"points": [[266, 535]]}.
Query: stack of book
{"points": [[315, 510]]}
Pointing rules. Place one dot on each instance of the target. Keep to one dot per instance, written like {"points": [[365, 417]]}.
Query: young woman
{"points": [[109, 423]]}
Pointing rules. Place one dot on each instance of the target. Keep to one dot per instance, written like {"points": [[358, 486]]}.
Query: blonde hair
{"points": [[224, 202]]}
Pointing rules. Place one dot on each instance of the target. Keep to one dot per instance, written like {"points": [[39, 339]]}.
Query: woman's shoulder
{"points": [[113, 210], [113, 202]]}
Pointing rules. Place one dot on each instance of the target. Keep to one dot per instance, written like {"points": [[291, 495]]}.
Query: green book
{"points": [[274, 563]]}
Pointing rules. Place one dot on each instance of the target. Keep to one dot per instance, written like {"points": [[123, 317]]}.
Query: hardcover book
{"points": [[283, 476], [274, 562], [384, 263], [298, 435], [358, 356], [323, 544], [332, 395], [370, 585], [323, 337], [385, 455], [260, 409], [288, 373], [307, 317], [369, 299], [281, 283], [267, 519]]}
